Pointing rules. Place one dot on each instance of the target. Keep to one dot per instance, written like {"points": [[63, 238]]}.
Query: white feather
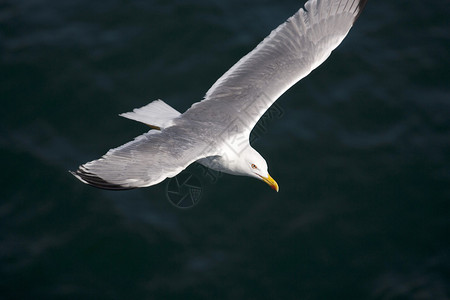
{"points": [[157, 113]]}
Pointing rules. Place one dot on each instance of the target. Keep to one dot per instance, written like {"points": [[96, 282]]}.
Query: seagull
{"points": [[215, 131]]}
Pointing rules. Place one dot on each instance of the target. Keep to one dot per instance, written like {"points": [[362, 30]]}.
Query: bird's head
{"points": [[254, 165]]}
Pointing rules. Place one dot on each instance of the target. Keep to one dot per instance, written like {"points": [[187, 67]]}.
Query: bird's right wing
{"points": [[145, 161]]}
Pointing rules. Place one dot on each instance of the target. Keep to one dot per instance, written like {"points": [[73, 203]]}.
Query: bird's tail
{"points": [[157, 114]]}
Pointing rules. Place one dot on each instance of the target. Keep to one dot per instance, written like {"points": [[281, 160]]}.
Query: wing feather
{"points": [[287, 55], [145, 161]]}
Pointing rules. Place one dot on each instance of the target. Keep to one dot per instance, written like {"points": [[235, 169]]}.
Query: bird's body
{"points": [[215, 131]]}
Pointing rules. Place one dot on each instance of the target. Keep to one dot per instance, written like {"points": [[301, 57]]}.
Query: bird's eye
{"points": [[254, 166]]}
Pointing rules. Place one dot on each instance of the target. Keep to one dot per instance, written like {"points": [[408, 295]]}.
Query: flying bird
{"points": [[215, 131]]}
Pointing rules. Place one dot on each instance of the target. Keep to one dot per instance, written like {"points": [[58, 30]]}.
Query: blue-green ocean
{"points": [[360, 149]]}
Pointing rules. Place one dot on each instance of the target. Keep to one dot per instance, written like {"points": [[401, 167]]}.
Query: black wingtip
{"points": [[96, 181], [361, 5]]}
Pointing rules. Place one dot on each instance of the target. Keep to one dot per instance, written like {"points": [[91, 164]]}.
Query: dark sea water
{"points": [[360, 149]]}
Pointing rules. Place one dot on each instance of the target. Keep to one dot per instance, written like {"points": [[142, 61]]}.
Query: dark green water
{"points": [[361, 151]]}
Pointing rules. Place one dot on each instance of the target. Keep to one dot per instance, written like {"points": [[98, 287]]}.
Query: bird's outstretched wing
{"points": [[145, 161], [287, 55]]}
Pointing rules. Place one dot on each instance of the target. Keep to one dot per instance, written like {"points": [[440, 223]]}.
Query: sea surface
{"points": [[360, 149]]}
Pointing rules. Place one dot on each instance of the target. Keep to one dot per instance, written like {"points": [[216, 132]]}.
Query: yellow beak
{"points": [[269, 180]]}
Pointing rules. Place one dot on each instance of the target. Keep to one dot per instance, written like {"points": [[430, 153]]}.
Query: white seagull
{"points": [[215, 131]]}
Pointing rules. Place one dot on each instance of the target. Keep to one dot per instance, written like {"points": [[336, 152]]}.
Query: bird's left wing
{"points": [[145, 161], [287, 55]]}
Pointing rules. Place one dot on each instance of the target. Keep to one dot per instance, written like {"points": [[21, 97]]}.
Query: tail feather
{"points": [[157, 114]]}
